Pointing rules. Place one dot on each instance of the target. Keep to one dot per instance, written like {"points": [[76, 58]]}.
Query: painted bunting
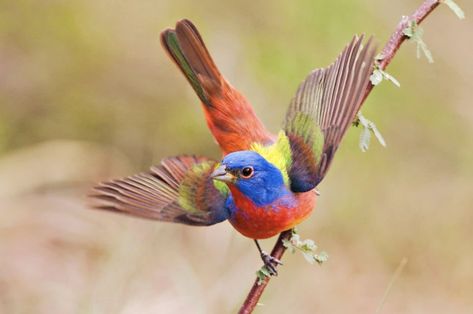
{"points": [[265, 183]]}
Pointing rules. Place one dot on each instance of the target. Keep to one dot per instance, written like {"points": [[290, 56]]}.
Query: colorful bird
{"points": [[265, 183]]}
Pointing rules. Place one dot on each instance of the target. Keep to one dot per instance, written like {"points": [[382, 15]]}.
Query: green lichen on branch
{"points": [[414, 32], [262, 274], [307, 247], [368, 128], [379, 74]]}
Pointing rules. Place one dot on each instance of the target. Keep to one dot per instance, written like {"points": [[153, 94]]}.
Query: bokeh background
{"points": [[87, 93]]}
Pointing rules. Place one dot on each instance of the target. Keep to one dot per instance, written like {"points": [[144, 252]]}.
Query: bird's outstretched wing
{"points": [[229, 115], [179, 190], [324, 106]]}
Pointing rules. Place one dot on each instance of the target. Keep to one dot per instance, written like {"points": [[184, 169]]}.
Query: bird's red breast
{"points": [[261, 222]]}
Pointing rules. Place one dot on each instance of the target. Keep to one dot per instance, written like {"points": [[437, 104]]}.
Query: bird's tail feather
{"points": [[187, 49]]}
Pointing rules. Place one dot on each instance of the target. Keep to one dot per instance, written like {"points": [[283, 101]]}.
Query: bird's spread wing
{"points": [[229, 115], [324, 106], [179, 190]]}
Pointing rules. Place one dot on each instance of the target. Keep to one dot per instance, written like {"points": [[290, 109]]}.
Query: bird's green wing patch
{"points": [[323, 108], [179, 190]]}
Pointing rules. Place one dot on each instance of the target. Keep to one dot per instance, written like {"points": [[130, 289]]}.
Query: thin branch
{"points": [[258, 287], [395, 276], [398, 37], [388, 52]]}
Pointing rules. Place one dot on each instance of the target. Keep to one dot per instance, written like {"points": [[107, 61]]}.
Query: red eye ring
{"points": [[247, 172]]}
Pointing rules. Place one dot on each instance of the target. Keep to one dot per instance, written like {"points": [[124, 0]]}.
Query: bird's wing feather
{"points": [[229, 115], [179, 190], [323, 108]]}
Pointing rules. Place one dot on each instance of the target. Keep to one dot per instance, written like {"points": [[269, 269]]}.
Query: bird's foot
{"points": [[271, 263]]}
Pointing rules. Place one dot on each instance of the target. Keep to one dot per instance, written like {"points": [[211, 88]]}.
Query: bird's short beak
{"points": [[220, 173]]}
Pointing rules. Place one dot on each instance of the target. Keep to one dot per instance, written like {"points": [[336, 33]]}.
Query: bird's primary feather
{"points": [[323, 108], [179, 190], [229, 115]]}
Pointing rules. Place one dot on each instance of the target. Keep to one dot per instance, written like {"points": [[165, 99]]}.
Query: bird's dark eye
{"points": [[247, 172]]}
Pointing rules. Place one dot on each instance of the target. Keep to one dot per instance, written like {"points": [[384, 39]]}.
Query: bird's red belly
{"points": [[267, 221]]}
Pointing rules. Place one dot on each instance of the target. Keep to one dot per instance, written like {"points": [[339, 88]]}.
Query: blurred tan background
{"points": [[87, 93]]}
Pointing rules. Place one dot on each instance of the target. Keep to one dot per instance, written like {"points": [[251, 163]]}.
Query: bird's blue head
{"points": [[252, 175]]}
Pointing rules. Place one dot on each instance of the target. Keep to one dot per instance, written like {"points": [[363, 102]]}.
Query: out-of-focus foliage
{"points": [[87, 93], [455, 8]]}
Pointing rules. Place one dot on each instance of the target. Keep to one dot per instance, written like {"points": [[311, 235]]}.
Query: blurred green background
{"points": [[87, 93]]}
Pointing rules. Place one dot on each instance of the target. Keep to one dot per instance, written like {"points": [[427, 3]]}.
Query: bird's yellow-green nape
{"points": [[279, 154]]}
